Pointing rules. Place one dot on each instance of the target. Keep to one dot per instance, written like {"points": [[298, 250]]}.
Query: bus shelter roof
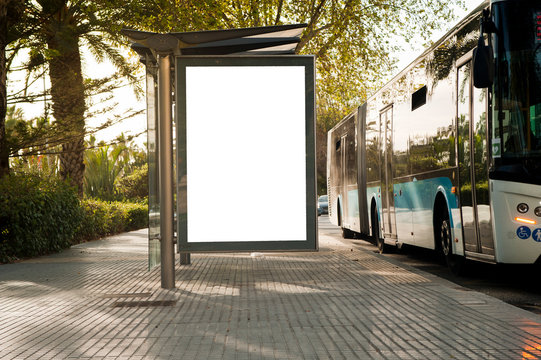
{"points": [[266, 40]]}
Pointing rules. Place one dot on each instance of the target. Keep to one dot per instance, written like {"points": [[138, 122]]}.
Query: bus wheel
{"points": [[348, 234], [454, 262], [382, 247]]}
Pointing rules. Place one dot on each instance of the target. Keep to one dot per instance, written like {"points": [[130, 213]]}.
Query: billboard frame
{"points": [[308, 62]]}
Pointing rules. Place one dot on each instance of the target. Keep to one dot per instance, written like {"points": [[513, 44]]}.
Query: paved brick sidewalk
{"points": [[97, 301]]}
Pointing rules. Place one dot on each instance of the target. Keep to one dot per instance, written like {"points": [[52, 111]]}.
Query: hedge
{"points": [[101, 218], [43, 215], [37, 216]]}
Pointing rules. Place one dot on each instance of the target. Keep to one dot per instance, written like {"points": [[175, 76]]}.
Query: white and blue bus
{"points": [[447, 155]]}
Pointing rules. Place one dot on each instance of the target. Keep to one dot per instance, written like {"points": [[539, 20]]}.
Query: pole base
{"points": [[185, 259]]}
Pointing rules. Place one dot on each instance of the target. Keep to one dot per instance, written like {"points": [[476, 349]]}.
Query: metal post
{"points": [[185, 259], [166, 172]]}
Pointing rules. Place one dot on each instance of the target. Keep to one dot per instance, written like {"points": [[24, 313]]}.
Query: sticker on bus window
{"points": [[496, 148]]}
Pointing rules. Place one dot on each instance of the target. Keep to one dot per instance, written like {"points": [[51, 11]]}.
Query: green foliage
{"points": [[353, 40], [31, 143], [103, 166], [46, 165], [27, 136], [51, 33], [40, 215], [37, 216], [103, 218], [115, 172], [135, 185]]}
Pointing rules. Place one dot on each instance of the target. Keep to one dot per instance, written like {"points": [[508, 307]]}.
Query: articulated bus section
{"points": [[343, 163], [433, 161]]}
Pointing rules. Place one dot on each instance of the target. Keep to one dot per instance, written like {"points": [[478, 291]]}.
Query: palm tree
{"points": [[11, 13], [62, 27], [104, 165]]}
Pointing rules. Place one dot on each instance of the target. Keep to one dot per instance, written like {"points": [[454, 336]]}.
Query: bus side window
{"points": [[418, 98]]}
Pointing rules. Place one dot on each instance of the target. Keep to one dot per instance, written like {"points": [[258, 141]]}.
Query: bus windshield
{"points": [[516, 125]]}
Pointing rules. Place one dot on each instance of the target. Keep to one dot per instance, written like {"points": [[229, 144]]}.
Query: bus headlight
{"points": [[522, 208], [537, 211]]}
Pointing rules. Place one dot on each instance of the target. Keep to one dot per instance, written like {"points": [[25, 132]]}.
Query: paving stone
{"points": [[98, 300]]}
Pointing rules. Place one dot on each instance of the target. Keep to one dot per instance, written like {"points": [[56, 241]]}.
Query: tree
{"points": [[11, 13], [60, 28], [29, 140], [352, 39], [63, 25]]}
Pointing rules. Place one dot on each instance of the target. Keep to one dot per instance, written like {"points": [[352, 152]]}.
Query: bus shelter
{"points": [[231, 142]]}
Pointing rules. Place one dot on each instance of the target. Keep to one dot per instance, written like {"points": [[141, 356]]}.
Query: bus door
{"points": [[343, 177], [473, 160], [387, 188], [364, 228]]}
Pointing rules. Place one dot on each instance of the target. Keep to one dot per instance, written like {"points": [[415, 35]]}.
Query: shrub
{"points": [[40, 215], [101, 218], [37, 215], [135, 185], [137, 216]]}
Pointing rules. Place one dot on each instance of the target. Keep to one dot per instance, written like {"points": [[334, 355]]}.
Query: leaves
{"points": [[53, 31], [38, 215], [352, 39], [101, 218], [107, 165]]}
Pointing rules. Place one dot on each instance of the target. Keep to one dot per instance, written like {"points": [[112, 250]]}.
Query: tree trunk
{"points": [[4, 151], [67, 94]]}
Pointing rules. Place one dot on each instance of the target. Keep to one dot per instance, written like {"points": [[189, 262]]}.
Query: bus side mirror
{"points": [[483, 65], [483, 56]]}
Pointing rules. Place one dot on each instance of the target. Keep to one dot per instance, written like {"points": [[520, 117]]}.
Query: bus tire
{"points": [[380, 243], [445, 245], [348, 234]]}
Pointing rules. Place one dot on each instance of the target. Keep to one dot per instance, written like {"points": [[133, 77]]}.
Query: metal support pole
{"points": [[166, 172], [185, 259]]}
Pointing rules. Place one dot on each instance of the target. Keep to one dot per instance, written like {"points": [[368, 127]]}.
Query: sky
{"points": [[127, 100]]}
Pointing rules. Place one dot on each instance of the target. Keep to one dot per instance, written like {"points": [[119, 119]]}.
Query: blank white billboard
{"points": [[246, 153]]}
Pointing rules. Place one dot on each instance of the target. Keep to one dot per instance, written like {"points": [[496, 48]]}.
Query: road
{"points": [[519, 285]]}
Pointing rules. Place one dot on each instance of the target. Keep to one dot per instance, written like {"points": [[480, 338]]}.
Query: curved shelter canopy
{"points": [[266, 40]]}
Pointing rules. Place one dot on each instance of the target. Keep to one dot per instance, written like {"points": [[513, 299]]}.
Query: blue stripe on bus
{"points": [[417, 198]]}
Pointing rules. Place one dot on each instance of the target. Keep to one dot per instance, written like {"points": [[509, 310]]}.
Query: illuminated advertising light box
{"points": [[246, 153]]}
